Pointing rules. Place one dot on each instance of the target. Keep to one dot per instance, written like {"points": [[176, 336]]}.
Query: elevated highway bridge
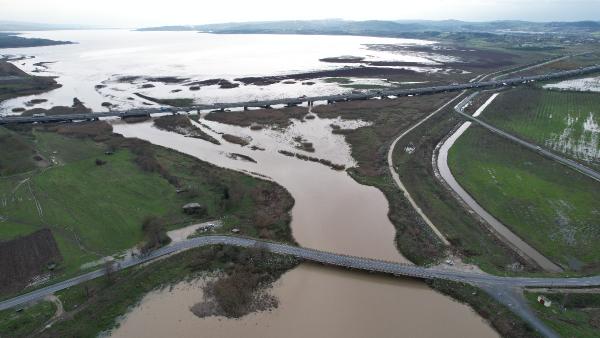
{"points": [[306, 99]]}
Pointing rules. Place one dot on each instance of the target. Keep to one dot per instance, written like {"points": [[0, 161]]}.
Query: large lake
{"points": [[101, 57]]}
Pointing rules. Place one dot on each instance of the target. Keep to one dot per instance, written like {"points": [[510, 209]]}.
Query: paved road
{"points": [[504, 233], [359, 263], [399, 183]]}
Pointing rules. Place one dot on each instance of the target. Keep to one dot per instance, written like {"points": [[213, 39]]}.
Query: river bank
{"points": [[340, 225]]}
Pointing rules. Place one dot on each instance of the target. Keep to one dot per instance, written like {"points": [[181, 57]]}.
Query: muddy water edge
{"points": [[332, 212]]}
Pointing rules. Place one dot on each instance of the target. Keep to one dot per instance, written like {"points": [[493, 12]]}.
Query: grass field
{"points": [[550, 206], [566, 122], [97, 210], [27, 321], [93, 210], [570, 315]]}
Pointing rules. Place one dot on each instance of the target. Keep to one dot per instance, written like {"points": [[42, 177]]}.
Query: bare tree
{"points": [[109, 271]]}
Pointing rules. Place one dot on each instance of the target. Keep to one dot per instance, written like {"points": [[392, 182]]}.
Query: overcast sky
{"points": [[136, 13]]}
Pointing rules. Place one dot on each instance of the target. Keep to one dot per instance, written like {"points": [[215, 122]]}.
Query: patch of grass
{"points": [[183, 125], [570, 315], [26, 322], [550, 206], [359, 86], [263, 117], [566, 122], [16, 155], [338, 80], [235, 139], [181, 102]]}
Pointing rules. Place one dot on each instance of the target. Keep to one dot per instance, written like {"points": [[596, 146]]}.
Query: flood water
{"points": [[100, 57], [314, 301], [332, 212]]}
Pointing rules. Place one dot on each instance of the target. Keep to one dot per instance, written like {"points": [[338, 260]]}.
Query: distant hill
{"points": [[385, 28], [13, 40], [17, 26]]}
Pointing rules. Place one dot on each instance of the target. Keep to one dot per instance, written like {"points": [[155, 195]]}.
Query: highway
{"points": [[299, 100]]}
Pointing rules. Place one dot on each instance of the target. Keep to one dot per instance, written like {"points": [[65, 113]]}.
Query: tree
{"points": [[109, 271]]}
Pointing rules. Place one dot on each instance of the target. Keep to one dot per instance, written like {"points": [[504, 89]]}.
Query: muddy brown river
{"points": [[332, 212]]}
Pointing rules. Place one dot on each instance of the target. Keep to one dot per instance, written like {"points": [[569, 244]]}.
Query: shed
{"points": [[194, 208]]}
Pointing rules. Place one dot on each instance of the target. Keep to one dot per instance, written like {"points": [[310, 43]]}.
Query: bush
{"points": [[154, 231]]}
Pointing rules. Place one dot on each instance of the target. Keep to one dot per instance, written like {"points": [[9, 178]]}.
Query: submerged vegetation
{"points": [[95, 306], [183, 125]]}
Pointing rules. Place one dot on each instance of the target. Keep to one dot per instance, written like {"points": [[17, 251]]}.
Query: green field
{"points": [[93, 210], [566, 122], [98, 210], [570, 315], [549, 205], [27, 321]]}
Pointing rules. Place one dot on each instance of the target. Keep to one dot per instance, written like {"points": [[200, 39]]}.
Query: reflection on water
{"points": [[332, 212]]}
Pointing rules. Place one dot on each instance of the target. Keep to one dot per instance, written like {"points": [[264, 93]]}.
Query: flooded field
{"points": [[332, 212], [581, 137], [589, 84], [564, 121]]}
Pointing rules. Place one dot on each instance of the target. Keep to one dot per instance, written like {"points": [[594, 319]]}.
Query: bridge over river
{"points": [[306, 99], [507, 290]]}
